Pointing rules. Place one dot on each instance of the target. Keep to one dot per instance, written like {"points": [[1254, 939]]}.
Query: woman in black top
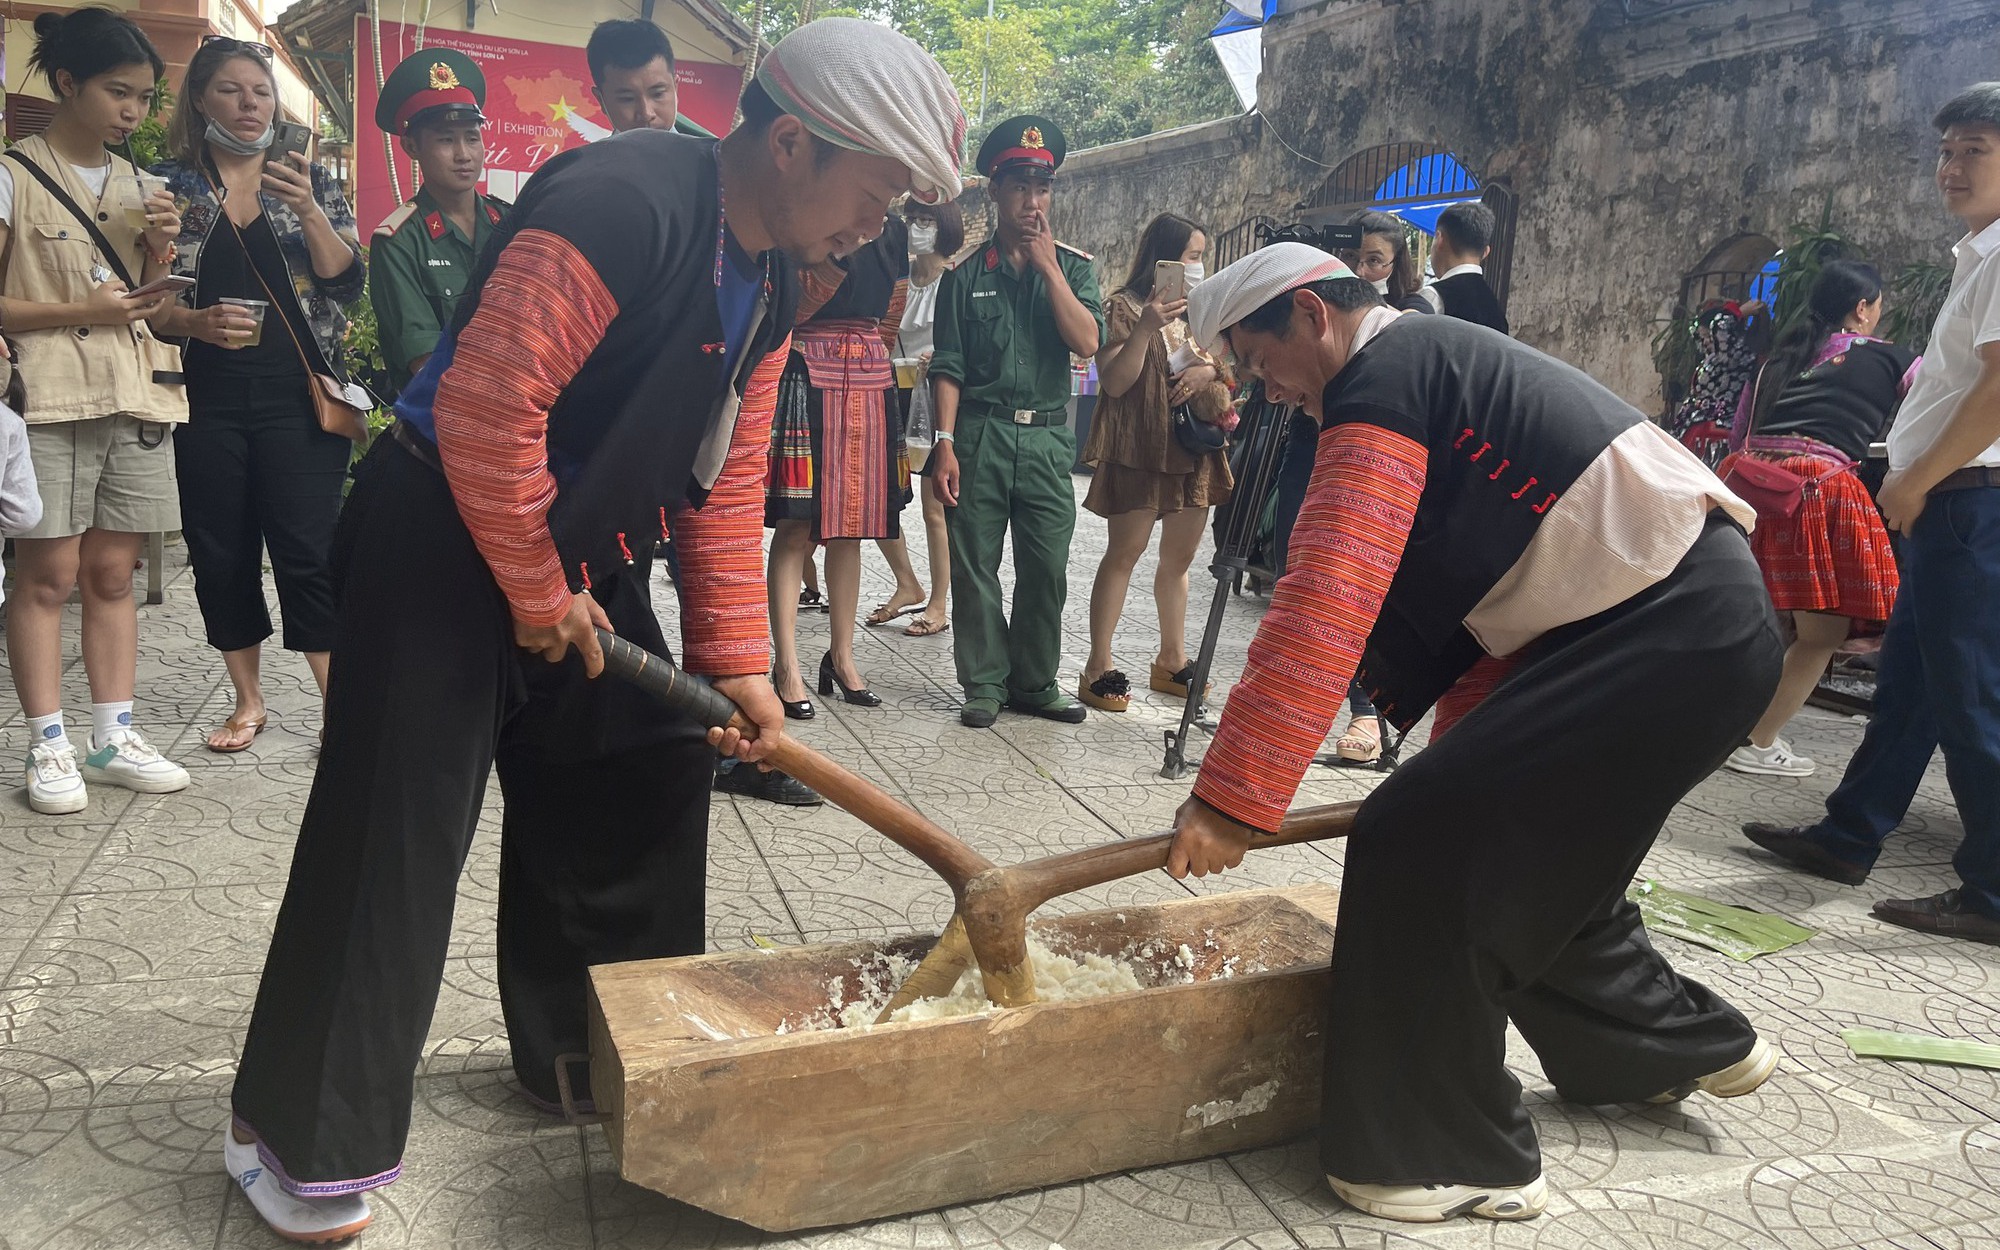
{"points": [[257, 473], [1385, 261], [837, 472], [1829, 389]]}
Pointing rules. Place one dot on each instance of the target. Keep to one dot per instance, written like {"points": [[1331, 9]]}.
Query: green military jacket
{"points": [[997, 335], [419, 264]]}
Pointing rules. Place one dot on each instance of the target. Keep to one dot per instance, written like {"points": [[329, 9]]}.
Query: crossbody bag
{"points": [[1774, 491]]}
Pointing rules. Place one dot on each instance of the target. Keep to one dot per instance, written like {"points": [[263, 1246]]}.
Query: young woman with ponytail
{"points": [[1829, 389]]}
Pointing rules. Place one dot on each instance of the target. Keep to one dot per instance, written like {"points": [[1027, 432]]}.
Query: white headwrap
{"points": [[1236, 291], [864, 87]]}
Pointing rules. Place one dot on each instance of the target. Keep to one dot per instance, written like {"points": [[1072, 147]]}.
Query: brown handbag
{"points": [[336, 413]]}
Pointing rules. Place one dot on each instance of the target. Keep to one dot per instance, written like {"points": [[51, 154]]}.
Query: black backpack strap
{"points": [[54, 188]]}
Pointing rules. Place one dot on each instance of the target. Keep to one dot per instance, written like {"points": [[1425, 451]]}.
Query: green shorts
{"points": [[107, 473]]}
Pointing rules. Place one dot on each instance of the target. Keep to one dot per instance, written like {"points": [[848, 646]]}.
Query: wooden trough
{"points": [[722, 1094]]}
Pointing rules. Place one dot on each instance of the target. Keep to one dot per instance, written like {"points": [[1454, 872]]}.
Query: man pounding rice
{"points": [[1491, 532], [601, 380]]}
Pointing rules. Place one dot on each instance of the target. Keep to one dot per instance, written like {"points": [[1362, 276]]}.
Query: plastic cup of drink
{"points": [[255, 309], [135, 190], [907, 371]]}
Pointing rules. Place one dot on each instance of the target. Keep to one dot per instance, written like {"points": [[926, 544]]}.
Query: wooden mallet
{"points": [[989, 924]]}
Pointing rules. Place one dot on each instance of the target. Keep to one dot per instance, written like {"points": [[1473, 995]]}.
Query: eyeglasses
{"points": [[231, 44]]}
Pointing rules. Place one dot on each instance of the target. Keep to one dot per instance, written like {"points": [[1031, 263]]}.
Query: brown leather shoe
{"points": [[1794, 845], [1947, 914]]}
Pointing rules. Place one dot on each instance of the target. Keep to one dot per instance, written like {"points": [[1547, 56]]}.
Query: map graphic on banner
{"points": [[538, 103]]}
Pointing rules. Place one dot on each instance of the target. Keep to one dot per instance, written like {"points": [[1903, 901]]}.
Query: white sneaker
{"points": [[129, 760], [314, 1221], [55, 788], [1739, 1078], [1776, 760], [1432, 1204]]}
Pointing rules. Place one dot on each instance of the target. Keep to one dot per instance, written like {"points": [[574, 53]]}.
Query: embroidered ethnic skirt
{"points": [[1833, 554], [835, 452]]}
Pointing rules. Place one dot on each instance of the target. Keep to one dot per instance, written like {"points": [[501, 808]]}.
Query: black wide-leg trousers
{"points": [[603, 843], [1485, 881]]}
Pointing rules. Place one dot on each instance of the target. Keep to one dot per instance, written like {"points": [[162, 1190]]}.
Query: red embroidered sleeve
{"points": [[541, 313], [1345, 549], [892, 321], [725, 620], [816, 287]]}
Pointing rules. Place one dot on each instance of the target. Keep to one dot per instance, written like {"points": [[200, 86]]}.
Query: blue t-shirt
{"points": [[735, 299]]}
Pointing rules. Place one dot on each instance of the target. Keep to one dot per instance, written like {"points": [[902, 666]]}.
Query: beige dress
{"points": [[1139, 465]]}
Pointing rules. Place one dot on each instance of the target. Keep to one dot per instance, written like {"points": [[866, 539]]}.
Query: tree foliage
{"points": [[1104, 70]]}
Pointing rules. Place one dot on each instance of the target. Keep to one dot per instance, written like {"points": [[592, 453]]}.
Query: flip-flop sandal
{"points": [[921, 628], [235, 727], [882, 615]]}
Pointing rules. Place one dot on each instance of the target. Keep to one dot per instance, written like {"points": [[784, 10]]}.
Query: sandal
{"points": [[1360, 748], [235, 728], [1111, 692], [924, 627], [889, 610], [810, 601], [1175, 684]]}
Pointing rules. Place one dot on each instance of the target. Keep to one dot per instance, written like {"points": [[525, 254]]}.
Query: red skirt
{"points": [[1833, 554]]}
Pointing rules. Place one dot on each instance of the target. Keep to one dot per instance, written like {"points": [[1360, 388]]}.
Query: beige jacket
{"points": [[75, 373]]}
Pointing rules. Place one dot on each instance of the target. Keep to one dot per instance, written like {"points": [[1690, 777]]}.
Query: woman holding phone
{"points": [[270, 243], [1144, 476], [100, 402]]}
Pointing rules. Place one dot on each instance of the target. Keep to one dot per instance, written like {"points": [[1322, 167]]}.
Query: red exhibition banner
{"points": [[538, 102]]}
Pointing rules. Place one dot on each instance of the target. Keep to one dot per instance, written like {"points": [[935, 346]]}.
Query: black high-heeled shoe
{"points": [[802, 710], [828, 679]]}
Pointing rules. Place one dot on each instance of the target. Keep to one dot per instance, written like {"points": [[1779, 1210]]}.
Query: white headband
{"points": [[1236, 291], [862, 86]]}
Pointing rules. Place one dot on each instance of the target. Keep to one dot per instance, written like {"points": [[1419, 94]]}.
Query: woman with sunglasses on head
{"points": [[104, 394], [257, 471]]}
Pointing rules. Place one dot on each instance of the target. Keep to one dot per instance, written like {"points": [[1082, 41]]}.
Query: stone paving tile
{"points": [[130, 942]]}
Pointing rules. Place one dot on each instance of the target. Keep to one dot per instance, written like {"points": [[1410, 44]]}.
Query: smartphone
{"points": [[286, 138], [164, 284], [1170, 280]]}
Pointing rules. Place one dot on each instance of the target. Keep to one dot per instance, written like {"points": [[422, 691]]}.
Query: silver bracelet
{"points": [[945, 436]]}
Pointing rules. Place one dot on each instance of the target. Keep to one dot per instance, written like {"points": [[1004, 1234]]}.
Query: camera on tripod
{"points": [[1330, 239]]}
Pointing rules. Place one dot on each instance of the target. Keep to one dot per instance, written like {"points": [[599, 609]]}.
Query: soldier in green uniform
{"points": [[421, 256], [1008, 320]]}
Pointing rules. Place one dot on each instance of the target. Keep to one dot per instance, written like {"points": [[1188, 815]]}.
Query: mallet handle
{"points": [[693, 697]]}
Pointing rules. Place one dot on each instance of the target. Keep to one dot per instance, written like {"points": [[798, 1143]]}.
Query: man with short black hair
{"points": [[1490, 532], [1939, 681], [632, 75], [1458, 256]]}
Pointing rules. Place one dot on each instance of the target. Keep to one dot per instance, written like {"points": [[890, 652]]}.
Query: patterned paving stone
{"points": [[131, 939]]}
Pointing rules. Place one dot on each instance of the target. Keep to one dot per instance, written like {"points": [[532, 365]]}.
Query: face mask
{"points": [[923, 239], [222, 138], [1381, 286], [1196, 271]]}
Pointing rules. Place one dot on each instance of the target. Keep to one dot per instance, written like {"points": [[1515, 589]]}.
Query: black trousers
{"points": [[257, 472], [603, 844], [1485, 881]]}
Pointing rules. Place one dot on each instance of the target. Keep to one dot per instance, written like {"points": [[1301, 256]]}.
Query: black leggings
{"points": [[256, 472]]}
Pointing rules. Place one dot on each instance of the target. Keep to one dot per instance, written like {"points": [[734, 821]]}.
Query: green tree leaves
{"points": [[1104, 70]]}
